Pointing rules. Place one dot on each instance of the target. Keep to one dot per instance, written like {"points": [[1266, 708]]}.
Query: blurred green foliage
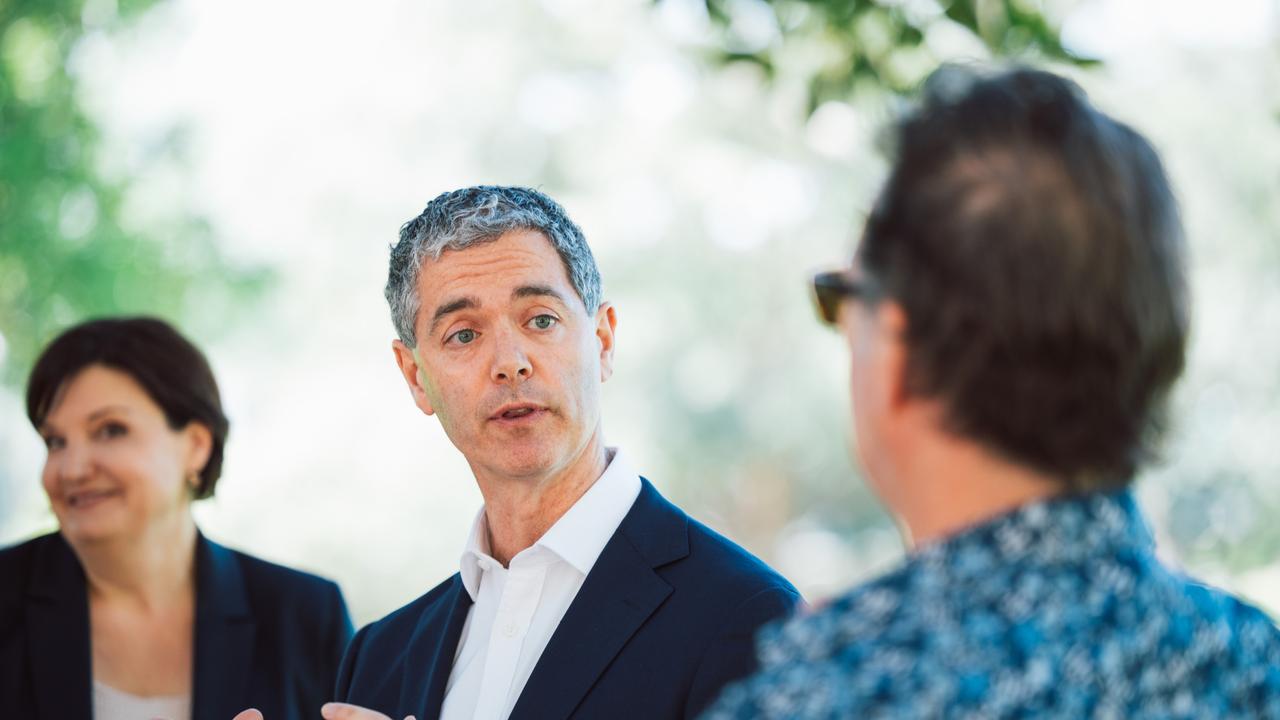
{"points": [[68, 249], [848, 47]]}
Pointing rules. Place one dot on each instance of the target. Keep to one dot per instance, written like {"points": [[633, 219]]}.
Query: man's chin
{"points": [[527, 468], [520, 461]]}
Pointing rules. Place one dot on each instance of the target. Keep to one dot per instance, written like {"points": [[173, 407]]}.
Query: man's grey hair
{"points": [[462, 218]]}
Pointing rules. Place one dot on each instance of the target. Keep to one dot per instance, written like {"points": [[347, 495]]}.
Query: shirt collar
{"points": [[1067, 528], [578, 537], [1072, 534], [475, 552]]}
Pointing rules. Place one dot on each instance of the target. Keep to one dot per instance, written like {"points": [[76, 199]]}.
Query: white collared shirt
{"points": [[516, 609]]}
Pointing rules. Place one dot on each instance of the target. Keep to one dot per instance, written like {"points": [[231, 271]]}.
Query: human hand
{"points": [[330, 711], [343, 711]]}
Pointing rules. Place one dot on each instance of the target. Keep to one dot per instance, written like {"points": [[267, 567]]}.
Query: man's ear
{"points": [[606, 324], [414, 375], [891, 352]]}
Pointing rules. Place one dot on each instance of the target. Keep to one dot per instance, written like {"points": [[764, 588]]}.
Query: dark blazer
{"points": [[663, 621], [266, 636]]}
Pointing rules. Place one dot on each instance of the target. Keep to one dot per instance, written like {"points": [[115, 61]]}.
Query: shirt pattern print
{"points": [[1059, 609]]}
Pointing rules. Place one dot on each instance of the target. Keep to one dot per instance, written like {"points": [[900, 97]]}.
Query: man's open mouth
{"points": [[516, 412]]}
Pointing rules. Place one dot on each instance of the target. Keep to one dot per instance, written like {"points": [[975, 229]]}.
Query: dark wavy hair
{"points": [[1037, 251], [173, 372]]}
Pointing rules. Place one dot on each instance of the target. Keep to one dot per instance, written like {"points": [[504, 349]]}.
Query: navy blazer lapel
{"points": [[432, 649], [58, 633], [224, 635], [619, 594]]}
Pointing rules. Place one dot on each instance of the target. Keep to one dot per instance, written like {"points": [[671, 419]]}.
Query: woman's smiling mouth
{"points": [[85, 499]]}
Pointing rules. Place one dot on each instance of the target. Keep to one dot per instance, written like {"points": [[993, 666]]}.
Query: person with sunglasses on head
{"points": [[128, 611], [1016, 315]]}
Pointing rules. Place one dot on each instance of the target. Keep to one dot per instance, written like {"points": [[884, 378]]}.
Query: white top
{"points": [[112, 704], [516, 609]]}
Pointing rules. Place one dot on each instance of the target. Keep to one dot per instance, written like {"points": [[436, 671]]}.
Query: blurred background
{"points": [[241, 168]]}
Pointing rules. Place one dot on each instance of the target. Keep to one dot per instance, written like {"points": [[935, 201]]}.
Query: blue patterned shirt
{"points": [[1059, 609]]}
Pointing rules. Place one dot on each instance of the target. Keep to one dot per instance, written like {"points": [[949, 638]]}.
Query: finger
{"points": [[343, 711], [250, 714]]}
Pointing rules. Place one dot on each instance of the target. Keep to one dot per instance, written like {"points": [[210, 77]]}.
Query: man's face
{"points": [[508, 358], [873, 331]]}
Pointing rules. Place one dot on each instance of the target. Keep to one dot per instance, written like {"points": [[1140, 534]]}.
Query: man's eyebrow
{"points": [[453, 306], [525, 291]]}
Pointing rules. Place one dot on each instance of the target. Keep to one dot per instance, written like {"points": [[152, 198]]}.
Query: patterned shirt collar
{"points": [[1058, 609], [1068, 530]]}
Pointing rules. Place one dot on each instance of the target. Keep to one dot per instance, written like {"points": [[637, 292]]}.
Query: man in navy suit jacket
{"points": [[583, 593]]}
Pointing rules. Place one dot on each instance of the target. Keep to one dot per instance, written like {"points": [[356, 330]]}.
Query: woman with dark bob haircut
{"points": [[128, 612]]}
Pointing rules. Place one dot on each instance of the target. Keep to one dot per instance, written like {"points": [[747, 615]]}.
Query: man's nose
{"points": [[511, 363]]}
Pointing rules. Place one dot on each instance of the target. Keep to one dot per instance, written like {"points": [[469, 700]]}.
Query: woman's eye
{"points": [[463, 336], [112, 430], [544, 322], [53, 442]]}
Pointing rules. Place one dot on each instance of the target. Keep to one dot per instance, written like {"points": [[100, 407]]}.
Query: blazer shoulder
{"points": [[729, 565], [17, 559], [286, 598], [17, 563], [280, 578], [20, 563], [402, 621], [683, 549]]}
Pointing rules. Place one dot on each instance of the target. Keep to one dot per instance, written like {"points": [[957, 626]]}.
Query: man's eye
{"points": [[464, 336], [544, 322]]}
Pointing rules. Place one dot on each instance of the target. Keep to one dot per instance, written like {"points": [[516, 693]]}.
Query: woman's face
{"points": [[115, 469]]}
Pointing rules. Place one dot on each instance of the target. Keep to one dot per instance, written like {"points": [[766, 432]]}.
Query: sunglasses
{"points": [[831, 288]]}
